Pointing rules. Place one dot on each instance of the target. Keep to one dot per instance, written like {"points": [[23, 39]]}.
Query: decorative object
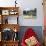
{"points": [[15, 34], [30, 13], [13, 12], [5, 12], [6, 21], [15, 37], [7, 34], [31, 41], [15, 30]]}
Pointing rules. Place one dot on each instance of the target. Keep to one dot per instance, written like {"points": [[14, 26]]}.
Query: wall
{"points": [[6, 3], [31, 4], [27, 4]]}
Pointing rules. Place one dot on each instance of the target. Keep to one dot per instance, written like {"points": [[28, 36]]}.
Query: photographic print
{"points": [[30, 13]]}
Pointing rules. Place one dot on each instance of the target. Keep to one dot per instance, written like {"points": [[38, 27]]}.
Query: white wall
{"points": [[6, 3], [27, 4], [31, 4]]}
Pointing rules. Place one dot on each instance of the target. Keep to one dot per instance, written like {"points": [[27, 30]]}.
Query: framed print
{"points": [[28, 14], [5, 12]]}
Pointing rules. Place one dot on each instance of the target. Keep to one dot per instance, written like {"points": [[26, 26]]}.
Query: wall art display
{"points": [[30, 13], [5, 12]]}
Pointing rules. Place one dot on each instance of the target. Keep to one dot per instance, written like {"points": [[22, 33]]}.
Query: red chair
{"points": [[29, 33]]}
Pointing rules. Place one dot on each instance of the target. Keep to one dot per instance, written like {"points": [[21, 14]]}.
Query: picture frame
{"points": [[5, 12], [30, 14]]}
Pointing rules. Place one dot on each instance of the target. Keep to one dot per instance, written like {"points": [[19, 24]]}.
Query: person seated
{"points": [[30, 38]]}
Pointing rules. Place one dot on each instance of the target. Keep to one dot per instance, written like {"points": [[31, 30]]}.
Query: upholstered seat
{"points": [[30, 35]]}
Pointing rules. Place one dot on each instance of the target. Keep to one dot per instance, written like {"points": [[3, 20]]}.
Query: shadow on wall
{"points": [[37, 29]]}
